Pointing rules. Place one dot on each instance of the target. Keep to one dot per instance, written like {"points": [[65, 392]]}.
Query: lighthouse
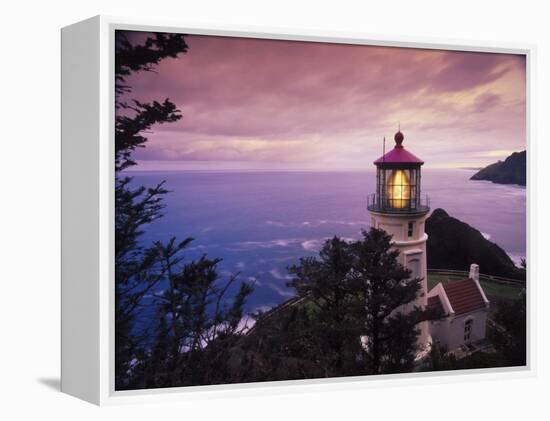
{"points": [[398, 208]]}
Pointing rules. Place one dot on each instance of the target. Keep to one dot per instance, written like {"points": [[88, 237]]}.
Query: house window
{"points": [[468, 329], [410, 230]]}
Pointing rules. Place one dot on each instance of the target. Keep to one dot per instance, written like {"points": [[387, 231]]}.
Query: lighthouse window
{"points": [[410, 231], [468, 329], [399, 189]]}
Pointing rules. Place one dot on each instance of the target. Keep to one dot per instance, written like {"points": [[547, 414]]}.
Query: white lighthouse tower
{"points": [[398, 209]]}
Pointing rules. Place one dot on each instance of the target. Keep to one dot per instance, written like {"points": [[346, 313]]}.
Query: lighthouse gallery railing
{"points": [[375, 203]]}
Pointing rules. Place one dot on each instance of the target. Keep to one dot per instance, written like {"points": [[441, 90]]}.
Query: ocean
{"points": [[260, 223]]}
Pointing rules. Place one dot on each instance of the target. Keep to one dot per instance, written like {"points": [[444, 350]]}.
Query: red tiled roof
{"points": [[464, 296], [434, 303]]}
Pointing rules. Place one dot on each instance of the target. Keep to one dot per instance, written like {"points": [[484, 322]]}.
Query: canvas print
{"points": [[301, 210]]}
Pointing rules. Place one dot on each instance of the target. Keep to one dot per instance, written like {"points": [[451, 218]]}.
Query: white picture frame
{"points": [[88, 210]]}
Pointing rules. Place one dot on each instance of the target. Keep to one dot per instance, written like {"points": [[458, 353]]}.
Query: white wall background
{"points": [[29, 208]]}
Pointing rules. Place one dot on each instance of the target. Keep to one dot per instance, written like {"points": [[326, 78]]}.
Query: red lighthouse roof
{"points": [[398, 155]]}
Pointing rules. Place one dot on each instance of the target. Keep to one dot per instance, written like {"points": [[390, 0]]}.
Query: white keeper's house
{"points": [[398, 208], [465, 307]]}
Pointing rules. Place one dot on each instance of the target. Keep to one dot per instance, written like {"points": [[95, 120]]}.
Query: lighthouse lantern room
{"points": [[398, 180]]}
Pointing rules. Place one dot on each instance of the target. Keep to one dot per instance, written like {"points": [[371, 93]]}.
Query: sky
{"points": [[251, 104]]}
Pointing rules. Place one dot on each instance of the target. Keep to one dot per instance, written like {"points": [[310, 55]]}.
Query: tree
{"points": [[510, 332], [198, 323], [383, 289], [199, 315], [360, 291], [192, 312], [327, 283], [136, 271]]}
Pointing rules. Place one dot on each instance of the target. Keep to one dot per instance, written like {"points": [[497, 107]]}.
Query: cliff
{"points": [[511, 171], [453, 244]]}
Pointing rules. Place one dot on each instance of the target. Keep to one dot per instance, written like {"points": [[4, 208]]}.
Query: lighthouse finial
{"points": [[399, 137]]}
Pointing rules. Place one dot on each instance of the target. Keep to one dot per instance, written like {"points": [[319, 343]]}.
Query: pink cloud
{"points": [[284, 101]]}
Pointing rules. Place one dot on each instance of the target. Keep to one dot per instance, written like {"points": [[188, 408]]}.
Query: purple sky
{"points": [[266, 104]]}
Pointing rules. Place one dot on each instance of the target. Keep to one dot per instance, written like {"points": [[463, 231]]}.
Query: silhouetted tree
{"points": [[194, 316], [510, 332], [327, 282], [381, 289], [199, 313], [351, 319], [136, 267]]}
